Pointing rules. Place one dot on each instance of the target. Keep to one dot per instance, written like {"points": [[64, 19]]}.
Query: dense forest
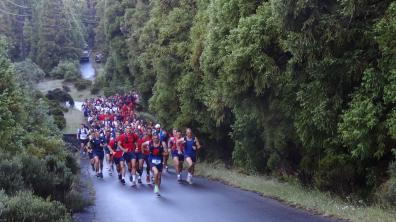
{"points": [[302, 89], [38, 175]]}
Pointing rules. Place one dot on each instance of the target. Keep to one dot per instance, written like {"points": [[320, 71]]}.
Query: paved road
{"points": [[203, 201]]}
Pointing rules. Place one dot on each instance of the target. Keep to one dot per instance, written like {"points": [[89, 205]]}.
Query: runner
{"points": [[146, 153], [163, 136], [156, 160], [127, 142], [90, 151], [191, 145], [97, 145], [177, 152], [137, 162], [82, 137], [109, 155], [118, 157]]}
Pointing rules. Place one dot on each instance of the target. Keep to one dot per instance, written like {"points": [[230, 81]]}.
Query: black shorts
{"points": [[85, 142]]}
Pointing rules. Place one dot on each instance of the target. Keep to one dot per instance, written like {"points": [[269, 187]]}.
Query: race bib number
{"points": [[155, 161]]}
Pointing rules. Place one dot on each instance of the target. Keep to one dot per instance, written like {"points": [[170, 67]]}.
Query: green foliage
{"points": [[60, 96], [82, 84], [11, 176], [284, 87], [29, 71], [67, 70], [36, 170], [25, 206]]}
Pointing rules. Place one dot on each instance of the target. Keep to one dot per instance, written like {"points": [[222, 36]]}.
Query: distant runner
{"points": [[177, 152], [82, 137], [97, 145], [156, 160], [118, 158], [191, 145]]}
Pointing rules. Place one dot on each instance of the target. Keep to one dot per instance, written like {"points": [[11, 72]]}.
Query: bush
{"points": [[60, 121], [75, 201], [11, 179], [95, 88], [29, 71], [60, 96], [66, 88], [387, 192], [67, 70], [82, 84], [335, 174], [24, 206], [49, 177]]}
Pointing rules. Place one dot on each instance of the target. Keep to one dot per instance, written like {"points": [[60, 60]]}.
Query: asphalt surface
{"points": [[203, 201]]}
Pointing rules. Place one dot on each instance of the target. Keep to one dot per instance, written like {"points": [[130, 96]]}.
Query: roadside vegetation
{"points": [[40, 39], [36, 171], [291, 192], [291, 89]]}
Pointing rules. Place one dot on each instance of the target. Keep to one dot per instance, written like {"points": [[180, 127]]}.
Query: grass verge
{"points": [[295, 195]]}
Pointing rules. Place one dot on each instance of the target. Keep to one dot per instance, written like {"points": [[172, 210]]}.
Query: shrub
{"points": [[60, 96], [67, 70], [66, 88], [29, 71], [336, 174], [24, 206], [75, 201], [95, 88], [11, 179], [60, 121], [82, 84], [387, 192]]}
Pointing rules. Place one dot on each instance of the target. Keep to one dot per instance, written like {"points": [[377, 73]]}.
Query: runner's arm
{"points": [[164, 145], [121, 147], [197, 142]]}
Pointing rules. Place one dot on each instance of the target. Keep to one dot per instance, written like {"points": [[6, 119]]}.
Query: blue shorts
{"points": [[99, 154], [91, 155], [118, 160], [176, 154], [128, 156], [192, 156], [158, 166], [137, 156]]}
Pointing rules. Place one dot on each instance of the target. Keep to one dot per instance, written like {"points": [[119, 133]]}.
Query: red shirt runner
{"points": [[128, 141], [143, 140]]}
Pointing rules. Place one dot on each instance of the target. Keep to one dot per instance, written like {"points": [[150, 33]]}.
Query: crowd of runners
{"points": [[113, 134]]}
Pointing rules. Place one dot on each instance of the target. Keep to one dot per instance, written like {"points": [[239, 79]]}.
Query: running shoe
{"points": [[130, 178], [133, 184], [189, 179], [156, 190], [101, 175], [123, 181], [178, 178], [119, 177], [148, 179], [139, 179]]}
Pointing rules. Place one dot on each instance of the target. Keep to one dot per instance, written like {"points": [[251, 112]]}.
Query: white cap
{"points": [[157, 126]]}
